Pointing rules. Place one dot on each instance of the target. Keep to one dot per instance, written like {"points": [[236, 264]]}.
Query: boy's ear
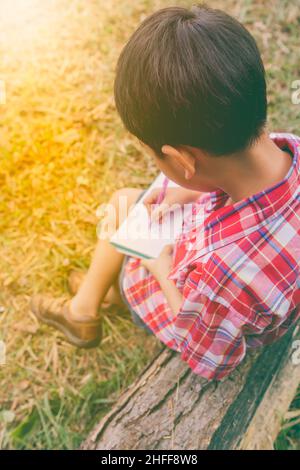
{"points": [[185, 159]]}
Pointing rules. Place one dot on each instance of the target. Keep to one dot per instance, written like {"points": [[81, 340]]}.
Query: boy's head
{"points": [[192, 77]]}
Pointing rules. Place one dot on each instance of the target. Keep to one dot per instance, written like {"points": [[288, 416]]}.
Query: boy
{"points": [[190, 85]]}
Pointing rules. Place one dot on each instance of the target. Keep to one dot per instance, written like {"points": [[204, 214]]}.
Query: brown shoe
{"points": [[83, 333]]}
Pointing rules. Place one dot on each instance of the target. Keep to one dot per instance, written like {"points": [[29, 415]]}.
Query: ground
{"points": [[63, 152]]}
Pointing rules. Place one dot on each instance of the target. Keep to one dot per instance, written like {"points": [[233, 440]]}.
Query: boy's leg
{"points": [[78, 318], [105, 266], [113, 296]]}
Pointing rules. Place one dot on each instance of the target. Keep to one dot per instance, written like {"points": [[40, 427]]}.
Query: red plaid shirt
{"points": [[237, 269]]}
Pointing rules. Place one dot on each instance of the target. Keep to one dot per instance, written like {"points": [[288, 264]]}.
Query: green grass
{"points": [[63, 152], [289, 437]]}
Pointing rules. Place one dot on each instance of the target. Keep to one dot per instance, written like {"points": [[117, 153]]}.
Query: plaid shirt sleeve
{"points": [[209, 335]]}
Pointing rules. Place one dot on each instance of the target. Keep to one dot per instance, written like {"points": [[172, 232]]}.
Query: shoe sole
{"points": [[72, 339]]}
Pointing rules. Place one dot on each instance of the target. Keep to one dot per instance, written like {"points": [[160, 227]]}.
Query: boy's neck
{"points": [[251, 171]]}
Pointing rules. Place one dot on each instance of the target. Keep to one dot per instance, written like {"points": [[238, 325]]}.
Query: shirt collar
{"points": [[223, 225]]}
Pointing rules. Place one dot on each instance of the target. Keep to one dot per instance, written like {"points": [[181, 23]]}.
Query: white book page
{"points": [[138, 236]]}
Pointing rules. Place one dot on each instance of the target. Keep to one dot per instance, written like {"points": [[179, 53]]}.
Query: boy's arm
{"points": [[160, 269], [172, 294]]}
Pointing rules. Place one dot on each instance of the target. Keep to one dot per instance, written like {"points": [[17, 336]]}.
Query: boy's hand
{"points": [[160, 267], [174, 196]]}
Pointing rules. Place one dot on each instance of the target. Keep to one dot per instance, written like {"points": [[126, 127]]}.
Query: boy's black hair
{"points": [[192, 77]]}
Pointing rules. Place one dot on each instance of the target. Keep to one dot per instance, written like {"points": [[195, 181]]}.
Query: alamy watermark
{"points": [[2, 353], [154, 222], [296, 352], [295, 97]]}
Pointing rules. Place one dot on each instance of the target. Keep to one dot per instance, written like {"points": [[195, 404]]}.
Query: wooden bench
{"points": [[170, 407]]}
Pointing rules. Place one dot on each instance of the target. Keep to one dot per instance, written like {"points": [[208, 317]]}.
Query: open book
{"points": [[140, 237]]}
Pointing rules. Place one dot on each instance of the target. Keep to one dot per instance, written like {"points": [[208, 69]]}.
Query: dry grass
{"points": [[64, 151]]}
